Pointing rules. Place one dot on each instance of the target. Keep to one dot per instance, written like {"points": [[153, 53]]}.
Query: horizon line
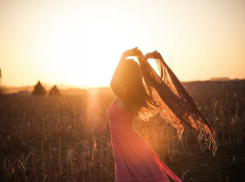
{"points": [[67, 86]]}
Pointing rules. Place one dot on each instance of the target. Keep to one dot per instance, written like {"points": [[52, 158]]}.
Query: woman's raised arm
{"points": [[115, 84]]}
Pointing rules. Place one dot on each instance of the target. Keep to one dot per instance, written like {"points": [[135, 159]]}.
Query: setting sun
{"points": [[80, 43]]}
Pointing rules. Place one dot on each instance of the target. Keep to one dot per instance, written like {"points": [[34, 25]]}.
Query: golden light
{"points": [[86, 50], [79, 43]]}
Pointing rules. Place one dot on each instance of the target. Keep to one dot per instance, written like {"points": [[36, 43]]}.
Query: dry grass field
{"points": [[67, 138]]}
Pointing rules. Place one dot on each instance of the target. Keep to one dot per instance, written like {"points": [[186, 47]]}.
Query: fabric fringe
{"points": [[209, 140]]}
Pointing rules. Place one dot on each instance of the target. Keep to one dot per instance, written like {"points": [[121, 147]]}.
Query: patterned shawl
{"points": [[174, 103]]}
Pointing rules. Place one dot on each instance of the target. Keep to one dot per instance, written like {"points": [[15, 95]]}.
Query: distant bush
{"points": [[39, 89], [54, 91]]}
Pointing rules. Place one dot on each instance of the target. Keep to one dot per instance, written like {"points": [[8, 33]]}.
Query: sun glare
{"points": [[79, 43], [85, 51]]}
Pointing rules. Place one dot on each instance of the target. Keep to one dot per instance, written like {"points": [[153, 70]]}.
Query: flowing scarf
{"points": [[174, 103]]}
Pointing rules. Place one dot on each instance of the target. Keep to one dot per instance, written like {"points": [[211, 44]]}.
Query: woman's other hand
{"points": [[153, 54]]}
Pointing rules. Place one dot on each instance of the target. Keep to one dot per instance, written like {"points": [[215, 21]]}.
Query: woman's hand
{"points": [[154, 54], [132, 52]]}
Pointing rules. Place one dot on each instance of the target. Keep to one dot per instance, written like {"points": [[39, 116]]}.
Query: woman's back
{"points": [[121, 117]]}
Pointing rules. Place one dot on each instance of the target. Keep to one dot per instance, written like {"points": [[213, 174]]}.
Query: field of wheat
{"points": [[67, 138]]}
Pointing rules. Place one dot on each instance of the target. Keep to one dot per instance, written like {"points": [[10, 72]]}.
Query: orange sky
{"points": [[79, 42]]}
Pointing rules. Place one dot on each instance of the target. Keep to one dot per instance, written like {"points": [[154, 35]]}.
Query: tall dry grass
{"points": [[67, 138]]}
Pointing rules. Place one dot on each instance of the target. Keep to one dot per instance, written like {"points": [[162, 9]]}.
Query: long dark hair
{"points": [[138, 98]]}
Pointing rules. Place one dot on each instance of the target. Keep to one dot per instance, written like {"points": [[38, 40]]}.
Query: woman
{"points": [[135, 161]]}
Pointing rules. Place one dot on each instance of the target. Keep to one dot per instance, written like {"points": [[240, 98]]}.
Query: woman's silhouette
{"points": [[135, 160]]}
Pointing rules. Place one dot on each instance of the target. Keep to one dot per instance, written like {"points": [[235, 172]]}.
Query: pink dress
{"points": [[135, 160]]}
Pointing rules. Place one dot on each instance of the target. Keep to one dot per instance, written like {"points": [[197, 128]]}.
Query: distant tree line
{"points": [[39, 90]]}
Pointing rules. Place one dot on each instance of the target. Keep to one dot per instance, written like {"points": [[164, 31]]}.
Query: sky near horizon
{"points": [[80, 42]]}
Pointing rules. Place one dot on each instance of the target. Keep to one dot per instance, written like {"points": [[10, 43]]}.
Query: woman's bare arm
{"points": [[116, 87], [115, 84]]}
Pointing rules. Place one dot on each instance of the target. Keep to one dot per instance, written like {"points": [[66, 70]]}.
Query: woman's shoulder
{"points": [[121, 103]]}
